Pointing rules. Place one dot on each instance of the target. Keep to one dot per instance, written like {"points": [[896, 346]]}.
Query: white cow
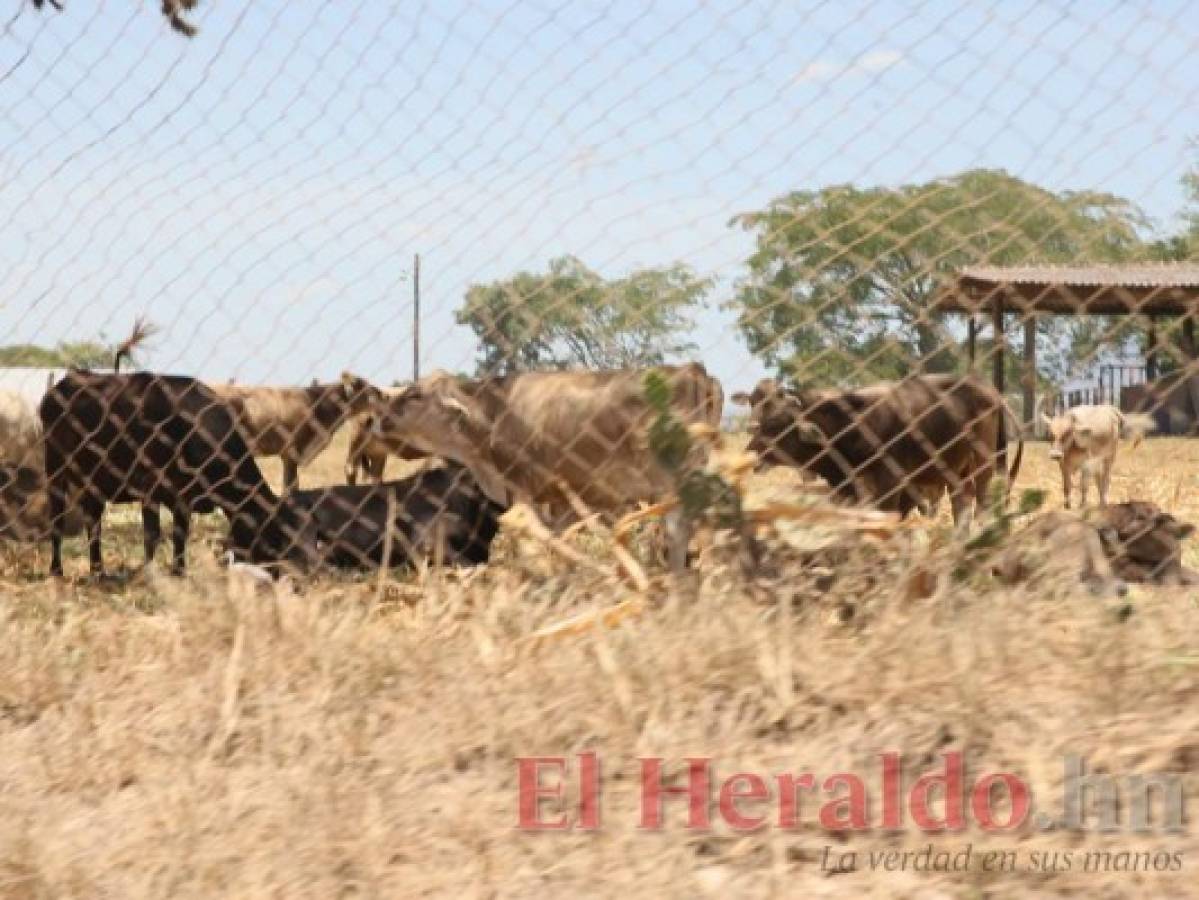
{"points": [[1085, 440], [20, 432]]}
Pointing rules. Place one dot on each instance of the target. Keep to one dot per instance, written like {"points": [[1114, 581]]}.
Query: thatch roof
{"points": [[1146, 288]]}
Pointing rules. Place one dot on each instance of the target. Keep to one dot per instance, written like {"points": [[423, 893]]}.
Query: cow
{"points": [[160, 440], [20, 431], [439, 514], [368, 453], [1144, 543], [295, 424], [562, 441], [1085, 440], [896, 445], [25, 505]]}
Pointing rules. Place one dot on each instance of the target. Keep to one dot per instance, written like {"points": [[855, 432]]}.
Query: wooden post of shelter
{"points": [[997, 358], [1029, 379], [1151, 351]]}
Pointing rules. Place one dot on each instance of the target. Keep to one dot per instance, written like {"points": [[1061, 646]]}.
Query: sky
{"points": [[260, 190]]}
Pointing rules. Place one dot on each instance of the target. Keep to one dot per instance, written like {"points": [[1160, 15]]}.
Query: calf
{"points": [[1085, 440], [439, 514], [557, 439], [25, 505], [897, 445], [295, 424], [368, 451], [160, 439], [20, 431]]}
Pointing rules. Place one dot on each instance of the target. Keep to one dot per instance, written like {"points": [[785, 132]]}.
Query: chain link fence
{"points": [[583, 255]]}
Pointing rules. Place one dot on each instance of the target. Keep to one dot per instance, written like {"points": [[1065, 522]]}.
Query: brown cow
{"points": [[368, 452], [897, 445], [295, 424], [1144, 543], [547, 439], [25, 505]]}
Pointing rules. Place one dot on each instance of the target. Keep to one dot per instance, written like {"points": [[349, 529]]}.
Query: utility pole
{"points": [[416, 317]]}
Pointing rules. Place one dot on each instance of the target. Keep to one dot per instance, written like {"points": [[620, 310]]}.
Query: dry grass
{"points": [[356, 737]]}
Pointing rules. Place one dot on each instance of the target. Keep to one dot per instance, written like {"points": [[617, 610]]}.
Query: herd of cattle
{"points": [[564, 443]]}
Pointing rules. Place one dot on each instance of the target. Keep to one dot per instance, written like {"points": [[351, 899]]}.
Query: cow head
{"points": [[276, 532], [1064, 433], [777, 424], [1140, 534], [1067, 432], [357, 394], [436, 417]]}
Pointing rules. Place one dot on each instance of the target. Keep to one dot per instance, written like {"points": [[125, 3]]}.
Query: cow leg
{"points": [[962, 501], [1084, 476], [377, 465], [291, 475], [151, 530], [95, 560], [180, 528], [1066, 485], [1105, 480], [57, 513], [678, 537]]}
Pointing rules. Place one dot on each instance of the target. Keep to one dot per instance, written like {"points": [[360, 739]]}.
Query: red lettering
{"points": [[652, 791], [892, 788], [530, 792], [729, 795], [980, 801], [848, 812], [951, 786], [789, 797]]}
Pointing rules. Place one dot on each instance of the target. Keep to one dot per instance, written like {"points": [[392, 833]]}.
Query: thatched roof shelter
{"points": [[1147, 289]]}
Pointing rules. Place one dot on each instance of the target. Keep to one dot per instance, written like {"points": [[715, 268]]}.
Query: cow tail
{"points": [[142, 329], [1005, 416]]}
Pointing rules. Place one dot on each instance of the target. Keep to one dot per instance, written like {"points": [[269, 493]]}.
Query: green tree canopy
{"points": [[840, 282], [84, 354], [571, 316]]}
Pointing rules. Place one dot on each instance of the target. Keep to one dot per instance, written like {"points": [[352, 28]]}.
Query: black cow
{"points": [[897, 445], [160, 439], [437, 513]]}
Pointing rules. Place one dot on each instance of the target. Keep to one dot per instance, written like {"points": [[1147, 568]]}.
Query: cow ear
{"points": [[351, 384], [809, 432], [741, 398], [455, 407], [1185, 529]]}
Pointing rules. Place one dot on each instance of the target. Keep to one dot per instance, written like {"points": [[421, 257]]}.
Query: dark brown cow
{"points": [[896, 445], [160, 439], [1144, 543], [548, 439]]}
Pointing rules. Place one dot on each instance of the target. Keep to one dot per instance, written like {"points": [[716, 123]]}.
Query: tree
{"points": [[84, 354], [174, 11], [840, 283], [571, 316]]}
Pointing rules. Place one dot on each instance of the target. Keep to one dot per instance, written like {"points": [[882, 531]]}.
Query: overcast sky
{"points": [[260, 190]]}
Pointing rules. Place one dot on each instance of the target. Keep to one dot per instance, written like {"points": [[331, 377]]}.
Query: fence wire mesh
{"points": [[581, 254]]}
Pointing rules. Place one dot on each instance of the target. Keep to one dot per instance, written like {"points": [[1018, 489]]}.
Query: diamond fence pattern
{"points": [[882, 247]]}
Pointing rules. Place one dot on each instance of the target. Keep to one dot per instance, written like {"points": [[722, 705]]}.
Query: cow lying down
{"points": [[1127, 543], [437, 514]]}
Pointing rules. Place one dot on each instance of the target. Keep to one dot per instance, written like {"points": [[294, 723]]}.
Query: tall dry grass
{"points": [[356, 736]]}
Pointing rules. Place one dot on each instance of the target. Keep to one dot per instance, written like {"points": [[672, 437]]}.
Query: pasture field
{"points": [[356, 736]]}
